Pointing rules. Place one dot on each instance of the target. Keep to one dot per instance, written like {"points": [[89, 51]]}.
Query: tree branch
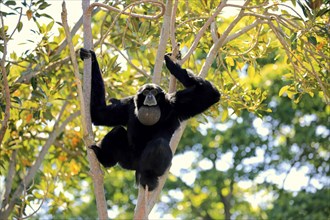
{"points": [[5, 88], [202, 30], [164, 35], [175, 45], [142, 71], [220, 42], [96, 172], [110, 8], [143, 207], [10, 178]]}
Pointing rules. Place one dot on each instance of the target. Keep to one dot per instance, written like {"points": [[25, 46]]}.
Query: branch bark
{"points": [[10, 178], [164, 35], [203, 29], [220, 42], [110, 8], [146, 200], [5, 91], [84, 97]]}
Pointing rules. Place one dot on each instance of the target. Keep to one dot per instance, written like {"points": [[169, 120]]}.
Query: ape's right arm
{"points": [[102, 114]]}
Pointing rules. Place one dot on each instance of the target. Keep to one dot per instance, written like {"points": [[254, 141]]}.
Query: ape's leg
{"points": [[154, 161], [114, 149]]}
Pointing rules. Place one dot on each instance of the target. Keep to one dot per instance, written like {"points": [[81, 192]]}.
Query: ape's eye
{"points": [[145, 92], [154, 92]]}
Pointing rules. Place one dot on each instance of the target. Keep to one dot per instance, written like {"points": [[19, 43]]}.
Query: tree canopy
{"points": [[261, 153]]}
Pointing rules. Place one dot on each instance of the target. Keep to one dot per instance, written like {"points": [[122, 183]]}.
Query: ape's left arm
{"points": [[199, 94]]}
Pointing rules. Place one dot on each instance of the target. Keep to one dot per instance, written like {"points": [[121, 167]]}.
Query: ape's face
{"points": [[148, 102], [149, 95]]}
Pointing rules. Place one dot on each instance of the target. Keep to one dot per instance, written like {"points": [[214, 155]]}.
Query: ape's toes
{"points": [[151, 181], [94, 148]]}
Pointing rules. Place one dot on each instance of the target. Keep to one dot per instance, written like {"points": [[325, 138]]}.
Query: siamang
{"points": [[150, 117]]}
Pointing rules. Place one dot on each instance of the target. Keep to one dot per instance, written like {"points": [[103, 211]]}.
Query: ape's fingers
{"points": [[84, 54]]}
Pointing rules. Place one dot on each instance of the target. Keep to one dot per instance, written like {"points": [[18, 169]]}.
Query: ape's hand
{"points": [[171, 65], [84, 54]]}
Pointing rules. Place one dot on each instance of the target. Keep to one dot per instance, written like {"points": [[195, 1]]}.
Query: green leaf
{"points": [[48, 114], [8, 3], [312, 40], [36, 115], [43, 6], [294, 41], [323, 12], [34, 83], [19, 26], [17, 100], [50, 26]]}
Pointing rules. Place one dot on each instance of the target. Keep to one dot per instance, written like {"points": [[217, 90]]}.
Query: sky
{"points": [[20, 44]]}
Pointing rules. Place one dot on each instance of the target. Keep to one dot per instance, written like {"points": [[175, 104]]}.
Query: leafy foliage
{"points": [[273, 116]]}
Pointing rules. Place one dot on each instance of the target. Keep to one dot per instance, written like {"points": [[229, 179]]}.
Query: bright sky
{"points": [[181, 166], [20, 44]]}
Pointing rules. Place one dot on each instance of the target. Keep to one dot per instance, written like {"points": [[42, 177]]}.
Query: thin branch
{"points": [[287, 6], [39, 207], [164, 35], [191, 19], [214, 31], [202, 30], [175, 45], [142, 209], [151, 17], [10, 178], [74, 30], [242, 31], [96, 172], [45, 69], [73, 58], [254, 38], [142, 71], [110, 8], [217, 45], [5, 87], [19, 19], [172, 26], [248, 7]]}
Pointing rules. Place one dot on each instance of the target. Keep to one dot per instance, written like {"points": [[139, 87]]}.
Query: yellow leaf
{"points": [[311, 94], [251, 71], [74, 167], [283, 90], [224, 115], [230, 61]]}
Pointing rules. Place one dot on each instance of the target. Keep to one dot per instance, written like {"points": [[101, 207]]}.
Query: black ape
{"points": [[151, 117]]}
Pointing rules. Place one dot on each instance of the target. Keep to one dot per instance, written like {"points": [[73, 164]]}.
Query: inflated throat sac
{"points": [[149, 115]]}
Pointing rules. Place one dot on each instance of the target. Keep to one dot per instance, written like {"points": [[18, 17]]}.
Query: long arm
{"points": [[102, 114], [198, 95]]}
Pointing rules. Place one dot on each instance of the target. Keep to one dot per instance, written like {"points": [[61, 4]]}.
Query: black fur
{"points": [[143, 148]]}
